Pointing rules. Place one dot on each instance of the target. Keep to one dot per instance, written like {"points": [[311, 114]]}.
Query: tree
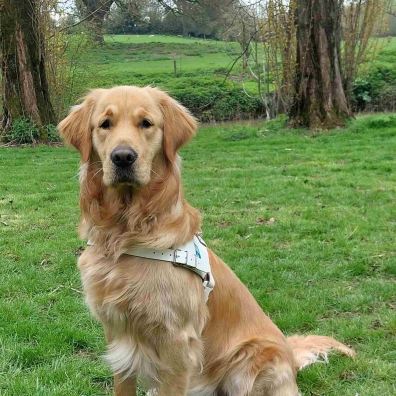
{"points": [[319, 100], [136, 17], [200, 18], [266, 32], [95, 12], [361, 18], [278, 35], [25, 86]]}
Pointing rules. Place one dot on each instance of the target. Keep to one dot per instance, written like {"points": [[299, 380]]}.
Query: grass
{"points": [[386, 53], [148, 59], [129, 59], [203, 65], [306, 221]]}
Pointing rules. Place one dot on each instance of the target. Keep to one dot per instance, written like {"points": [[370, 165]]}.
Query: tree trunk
{"points": [[97, 28], [96, 12], [244, 42], [319, 100], [25, 87]]}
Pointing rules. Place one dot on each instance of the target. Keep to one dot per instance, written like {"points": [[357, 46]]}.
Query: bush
{"points": [[52, 133], [376, 91], [23, 131], [207, 96], [362, 93], [209, 99]]}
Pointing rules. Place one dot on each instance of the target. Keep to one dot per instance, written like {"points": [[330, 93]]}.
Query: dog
{"points": [[159, 323]]}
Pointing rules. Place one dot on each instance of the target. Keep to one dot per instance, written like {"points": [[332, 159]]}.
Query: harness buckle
{"points": [[180, 257]]}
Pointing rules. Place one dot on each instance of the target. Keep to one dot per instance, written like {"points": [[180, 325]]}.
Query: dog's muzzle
{"points": [[123, 158]]}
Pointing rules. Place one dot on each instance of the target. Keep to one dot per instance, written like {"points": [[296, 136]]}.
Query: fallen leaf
{"points": [[262, 220], [224, 224]]}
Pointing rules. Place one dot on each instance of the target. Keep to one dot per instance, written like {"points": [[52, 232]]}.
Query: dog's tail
{"points": [[312, 349]]}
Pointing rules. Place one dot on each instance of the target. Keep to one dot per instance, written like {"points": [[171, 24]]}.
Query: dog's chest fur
{"points": [[146, 307]]}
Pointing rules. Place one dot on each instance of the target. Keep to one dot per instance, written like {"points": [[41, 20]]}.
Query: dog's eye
{"points": [[145, 124], [106, 124]]}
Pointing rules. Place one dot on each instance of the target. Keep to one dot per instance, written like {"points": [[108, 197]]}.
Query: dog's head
{"points": [[126, 129]]}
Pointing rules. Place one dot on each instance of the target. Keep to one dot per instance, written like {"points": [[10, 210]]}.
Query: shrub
{"points": [[52, 133], [207, 96], [362, 93], [209, 99], [376, 91], [22, 131]]}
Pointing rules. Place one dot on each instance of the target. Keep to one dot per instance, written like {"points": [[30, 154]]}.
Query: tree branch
{"points": [[81, 20], [240, 56]]}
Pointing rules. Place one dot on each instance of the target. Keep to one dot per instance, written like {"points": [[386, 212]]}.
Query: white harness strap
{"points": [[193, 255]]}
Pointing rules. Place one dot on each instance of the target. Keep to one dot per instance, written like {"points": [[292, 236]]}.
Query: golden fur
{"points": [[154, 314]]}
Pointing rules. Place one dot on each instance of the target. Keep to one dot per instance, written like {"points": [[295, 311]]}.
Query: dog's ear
{"points": [[179, 125], [76, 128]]}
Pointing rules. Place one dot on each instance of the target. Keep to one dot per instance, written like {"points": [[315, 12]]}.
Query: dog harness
{"points": [[193, 255]]}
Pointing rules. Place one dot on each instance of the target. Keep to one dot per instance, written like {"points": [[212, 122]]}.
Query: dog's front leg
{"points": [[180, 357], [124, 387], [175, 384]]}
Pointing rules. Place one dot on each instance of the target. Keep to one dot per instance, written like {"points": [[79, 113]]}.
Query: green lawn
{"points": [[307, 221]]}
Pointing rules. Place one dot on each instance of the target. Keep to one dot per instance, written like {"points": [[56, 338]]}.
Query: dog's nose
{"points": [[123, 156]]}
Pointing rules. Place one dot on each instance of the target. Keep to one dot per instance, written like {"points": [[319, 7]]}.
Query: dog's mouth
{"points": [[124, 160], [125, 177]]}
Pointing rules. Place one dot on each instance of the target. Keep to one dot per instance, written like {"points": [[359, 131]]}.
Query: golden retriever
{"points": [[156, 320]]}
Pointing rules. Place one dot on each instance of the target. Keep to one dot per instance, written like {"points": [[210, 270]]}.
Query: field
{"points": [[129, 59], [199, 79], [307, 221]]}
